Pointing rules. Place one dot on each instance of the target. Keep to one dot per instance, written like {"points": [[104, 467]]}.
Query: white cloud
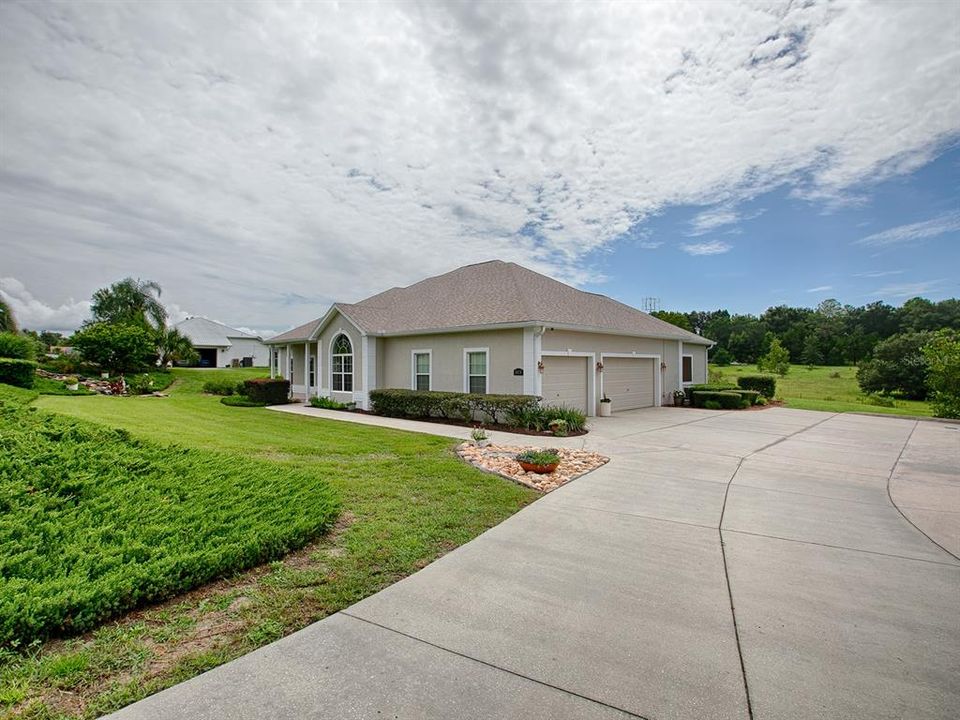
{"points": [[713, 247], [877, 273], [650, 244], [909, 290], [259, 175], [32, 314], [948, 222], [820, 288]]}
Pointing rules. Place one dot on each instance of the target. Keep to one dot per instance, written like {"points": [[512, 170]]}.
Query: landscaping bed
{"points": [[501, 460]]}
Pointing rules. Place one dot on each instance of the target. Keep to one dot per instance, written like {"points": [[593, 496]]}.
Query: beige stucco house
{"points": [[494, 327]]}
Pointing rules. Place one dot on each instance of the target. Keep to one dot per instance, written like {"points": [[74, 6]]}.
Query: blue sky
{"points": [[787, 250], [262, 160]]}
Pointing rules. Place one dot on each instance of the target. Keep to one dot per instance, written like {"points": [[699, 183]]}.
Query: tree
{"points": [[8, 323], [129, 302], [173, 347], [943, 375], [811, 351], [897, 365], [674, 318], [17, 346], [116, 347], [777, 359], [721, 356]]}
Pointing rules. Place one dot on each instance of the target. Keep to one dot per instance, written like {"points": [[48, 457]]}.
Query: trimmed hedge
{"points": [[397, 402], [221, 387], [17, 372], [708, 387], [766, 385], [16, 346], [726, 399], [752, 395], [240, 401], [275, 391]]}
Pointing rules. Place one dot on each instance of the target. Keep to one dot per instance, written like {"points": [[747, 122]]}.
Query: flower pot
{"points": [[539, 469], [605, 408], [74, 386], [104, 375]]}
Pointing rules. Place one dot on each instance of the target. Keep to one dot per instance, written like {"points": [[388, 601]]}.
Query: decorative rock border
{"points": [[499, 459]]}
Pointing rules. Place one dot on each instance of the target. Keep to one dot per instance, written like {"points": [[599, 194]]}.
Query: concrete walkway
{"points": [[722, 565]]}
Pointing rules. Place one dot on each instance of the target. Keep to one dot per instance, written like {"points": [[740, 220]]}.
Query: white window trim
{"points": [[353, 364], [592, 398], [691, 381], [466, 368], [413, 367], [657, 372], [312, 372]]}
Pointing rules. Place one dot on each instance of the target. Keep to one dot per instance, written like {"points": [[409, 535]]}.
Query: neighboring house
{"points": [[494, 327], [219, 345]]}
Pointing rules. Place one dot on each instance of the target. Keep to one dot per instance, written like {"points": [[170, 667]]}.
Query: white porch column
{"points": [[270, 348], [679, 364], [287, 374], [369, 373], [321, 378], [306, 370]]}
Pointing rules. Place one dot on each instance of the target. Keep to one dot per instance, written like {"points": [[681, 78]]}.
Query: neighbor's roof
{"points": [[492, 293], [204, 332]]}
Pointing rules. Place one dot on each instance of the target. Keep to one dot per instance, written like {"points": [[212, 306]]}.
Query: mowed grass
{"points": [[405, 500], [832, 389]]}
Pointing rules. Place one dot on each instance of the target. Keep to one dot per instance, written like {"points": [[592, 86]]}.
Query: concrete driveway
{"points": [[770, 564]]}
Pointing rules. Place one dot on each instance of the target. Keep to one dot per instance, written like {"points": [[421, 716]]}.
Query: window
{"points": [[687, 368], [276, 361], [313, 375], [342, 364], [290, 376], [421, 370], [476, 367]]}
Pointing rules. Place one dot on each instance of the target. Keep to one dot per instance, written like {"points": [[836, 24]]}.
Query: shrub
{"points": [[17, 372], [777, 359], [96, 522], [558, 427], [766, 385], [726, 399], [750, 395], [326, 403], [898, 365], [220, 387], [19, 347], [879, 400], [943, 357], [398, 402], [117, 348], [275, 391], [547, 456], [575, 420], [721, 357], [240, 401], [140, 384], [709, 387], [712, 405]]}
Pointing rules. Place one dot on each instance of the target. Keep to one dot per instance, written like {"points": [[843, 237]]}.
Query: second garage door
{"points": [[629, 382], [565, 382]]}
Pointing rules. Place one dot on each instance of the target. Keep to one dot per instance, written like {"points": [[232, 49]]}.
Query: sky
{"points": [[262, 160]]}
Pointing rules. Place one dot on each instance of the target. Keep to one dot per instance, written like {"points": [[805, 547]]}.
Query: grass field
{"points": [[832, 389], [406, 499]]}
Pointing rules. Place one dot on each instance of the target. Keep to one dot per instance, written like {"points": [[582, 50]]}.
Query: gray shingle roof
{"points": [[204, 332], [494, 293]]}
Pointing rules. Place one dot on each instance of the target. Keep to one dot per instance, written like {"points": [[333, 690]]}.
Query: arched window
{"points": [[342, 364]]}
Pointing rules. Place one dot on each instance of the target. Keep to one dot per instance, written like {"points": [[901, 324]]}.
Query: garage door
{"points": [[565, 382], [629, 382]]}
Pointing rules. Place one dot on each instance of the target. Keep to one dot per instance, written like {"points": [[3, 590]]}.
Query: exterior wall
{"points": [[699, 364], [338, 323], [447, 373], [245, 347], [599, 343]]}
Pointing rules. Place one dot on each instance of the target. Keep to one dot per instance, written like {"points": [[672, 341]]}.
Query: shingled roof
{"points": [[205, 332], [493, 293]]}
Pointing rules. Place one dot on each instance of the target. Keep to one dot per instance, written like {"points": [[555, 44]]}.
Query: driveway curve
{"points": [[760, 564]]}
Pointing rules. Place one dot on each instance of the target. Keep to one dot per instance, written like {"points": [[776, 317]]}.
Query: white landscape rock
{"points": [[499, 459]]}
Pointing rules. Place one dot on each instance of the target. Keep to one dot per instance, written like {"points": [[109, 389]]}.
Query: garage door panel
{"points": [[629, 382], [564, 382]]}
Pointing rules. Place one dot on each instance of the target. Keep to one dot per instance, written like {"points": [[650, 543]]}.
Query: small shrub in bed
{"points": [[712, 405], [220, 387], [766, 385], [17, 372], [547, 456], [708, 387], [752, 395], [240, 401], [325, 403], [275, 391]]}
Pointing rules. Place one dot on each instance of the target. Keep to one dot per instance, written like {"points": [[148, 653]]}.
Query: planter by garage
{"points": [[605, 407]]}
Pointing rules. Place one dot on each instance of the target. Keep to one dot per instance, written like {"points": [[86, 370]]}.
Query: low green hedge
{"points": [[17, 372], [240, 401], [222, 387], [752, 395], [726, 399], [766, 385], [708, 387], [269, 391], [397, 402]]}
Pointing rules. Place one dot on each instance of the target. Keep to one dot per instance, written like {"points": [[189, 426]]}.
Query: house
{"points": [[494, 327], [219, 345]]}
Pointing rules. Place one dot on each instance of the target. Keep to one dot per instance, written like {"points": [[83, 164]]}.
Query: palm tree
{"points": [[174, 347], [130, 301], [7, 322]]}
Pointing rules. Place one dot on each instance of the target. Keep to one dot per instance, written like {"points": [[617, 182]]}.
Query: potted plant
{"points": [[104, 376], [678, 397], [558, 427], [541, 462], [479, 436], [72, 382], [605, 406]]}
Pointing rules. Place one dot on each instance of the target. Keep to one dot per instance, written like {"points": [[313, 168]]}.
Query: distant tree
{"points": [[129, 302], [17, 346], [174, 347], [674, 318], [811, 352], [8, 323], [721, 356], [943, 373], [777, 359], [116, 347], [897, 365]]}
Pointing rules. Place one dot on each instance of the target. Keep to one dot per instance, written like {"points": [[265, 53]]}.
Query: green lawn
{"points": [[406, 499], [833, 389]]}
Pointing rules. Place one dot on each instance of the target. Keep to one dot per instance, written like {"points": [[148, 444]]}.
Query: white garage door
{"points": [[629, 382], [565, 382]]}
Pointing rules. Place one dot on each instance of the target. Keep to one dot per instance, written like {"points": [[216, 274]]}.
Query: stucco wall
{"points": [[699, 361], [243, 347], [505, 354], [338, 323]]}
